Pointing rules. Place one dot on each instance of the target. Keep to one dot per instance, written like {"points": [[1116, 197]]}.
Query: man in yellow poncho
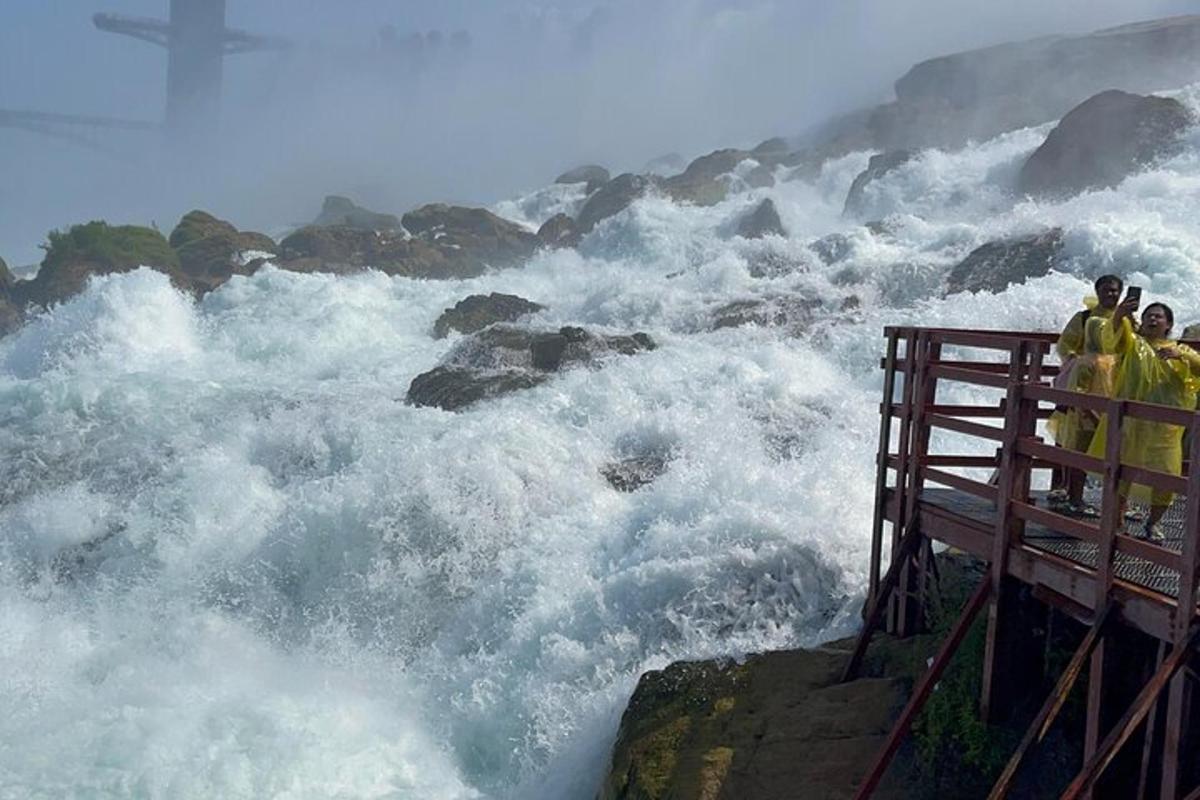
{"points": [[1152, 369], [1085, 368]]}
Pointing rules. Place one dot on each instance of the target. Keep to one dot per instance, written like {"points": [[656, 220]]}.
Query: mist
{"points": [[527, 89]]}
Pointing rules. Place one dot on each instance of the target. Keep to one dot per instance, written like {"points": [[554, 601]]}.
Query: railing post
{"points": [[924, 396], [1185, 610], [1020, 419], [1111, 524], [881, 475], [907, 393]]}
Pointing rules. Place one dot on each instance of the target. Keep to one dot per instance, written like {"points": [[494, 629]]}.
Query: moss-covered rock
{"points": [[97, 248]]}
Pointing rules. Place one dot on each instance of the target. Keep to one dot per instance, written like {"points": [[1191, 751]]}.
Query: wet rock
{"points": [[879, 165], [832, 248], [502, 359], [478, 311], [338, 210], [995, 265], [773, 148], [706, 181], [446, 242], [632, 473], [1191, 332], [762, 221], [96, 248], [559, 231], [594, 176], [1102, 141], [792, 312], [7, 279], [613, 198], [212, 250], [11, 316]]}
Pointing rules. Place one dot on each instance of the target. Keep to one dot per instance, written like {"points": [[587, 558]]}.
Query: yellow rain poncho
{"points": [[1142, 375], [1088, 369]]}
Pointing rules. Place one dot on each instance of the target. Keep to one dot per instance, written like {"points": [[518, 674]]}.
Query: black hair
{"points": [[1170, 315], [1103, 279]]}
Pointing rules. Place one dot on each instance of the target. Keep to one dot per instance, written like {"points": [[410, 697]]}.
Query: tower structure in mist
{"points": [[196, 40]]}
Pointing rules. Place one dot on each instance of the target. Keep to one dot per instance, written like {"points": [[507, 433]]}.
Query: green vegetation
{"points": [[113, 247]]}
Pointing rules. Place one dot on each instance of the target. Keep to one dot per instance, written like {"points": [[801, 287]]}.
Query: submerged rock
{"points": [[1102, 141], [994, 266], [762, 221], [502, 359], [795, 313], [832, 248], [879, 165], [96, 248], [478, 311], [338, 210], [632, 473], [591, 174], [212, 250], [613, 198]]}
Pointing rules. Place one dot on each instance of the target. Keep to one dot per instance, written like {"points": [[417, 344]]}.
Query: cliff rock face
{"points": [[1102, 141], [337, 210], [977, 94]]}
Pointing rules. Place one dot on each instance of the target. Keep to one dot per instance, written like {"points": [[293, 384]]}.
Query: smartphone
{"points": [[1134, 294]]}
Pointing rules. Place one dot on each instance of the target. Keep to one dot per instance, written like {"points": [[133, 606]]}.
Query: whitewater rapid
{"points": [[234, 563]]}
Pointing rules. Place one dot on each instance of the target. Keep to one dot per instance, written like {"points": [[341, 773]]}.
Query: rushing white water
{"points": [[234, 563]]}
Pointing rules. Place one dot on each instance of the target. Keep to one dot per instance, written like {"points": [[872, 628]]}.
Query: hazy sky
{"points": [[544, 85]]}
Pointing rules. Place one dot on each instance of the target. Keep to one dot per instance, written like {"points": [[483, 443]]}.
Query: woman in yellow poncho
{"points": [[1086, 367], [1152, 369]]}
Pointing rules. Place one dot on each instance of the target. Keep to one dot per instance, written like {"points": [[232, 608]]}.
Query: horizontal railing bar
{"points": [[957, 425], [1038, 336], [1154, 478], [1070, 526], [1059, 455], [1149, 411], [982, 462], [977, 412], [976, 488], [983, 340], [1153, 553], [970, 376]]}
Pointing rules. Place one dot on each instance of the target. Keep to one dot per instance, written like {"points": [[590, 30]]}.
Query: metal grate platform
{"points": [[1126, 567]]}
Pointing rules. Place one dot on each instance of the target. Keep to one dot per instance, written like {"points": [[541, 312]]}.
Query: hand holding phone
{"points": [[1134, 295]]}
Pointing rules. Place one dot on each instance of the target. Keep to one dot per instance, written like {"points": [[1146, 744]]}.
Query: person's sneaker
{"points": [[1152, 533], [1083, 510], [1135, 514]]}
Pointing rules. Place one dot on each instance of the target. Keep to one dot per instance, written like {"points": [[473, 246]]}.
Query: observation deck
{"points": [[960, 458]]}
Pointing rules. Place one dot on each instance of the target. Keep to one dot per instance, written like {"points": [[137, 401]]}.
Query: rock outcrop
{"points": [[212, 250], [478, 311], [946, 101], [795, 313], [762, 221], [591, 174], [96, 248], [613, 198], [995, 265], [665, 166], [338, 210], [445, 242], [879, 165], [10, 312], [706, 180], [1102, 141], [502, 359], [831, 248]]}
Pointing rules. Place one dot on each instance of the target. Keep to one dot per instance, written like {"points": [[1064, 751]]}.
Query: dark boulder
{"points": [[502, 359], [706, 181], [613, 198], [478, 311], [337, 210], [879, 165], [762, 221], [996, 265], [10, 312], [212, 250], [1102, 141], [594, 176], [7, 279], [446, 242], [559, 231], [96, 248]]}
